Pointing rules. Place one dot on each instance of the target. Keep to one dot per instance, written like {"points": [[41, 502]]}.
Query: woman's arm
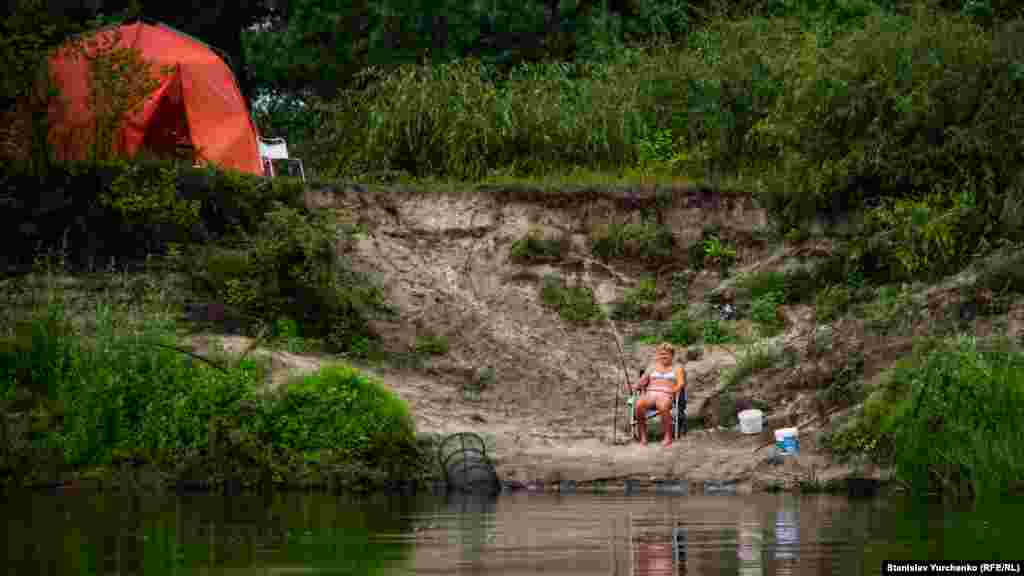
{"points": [[680, 380], [642, 383]]}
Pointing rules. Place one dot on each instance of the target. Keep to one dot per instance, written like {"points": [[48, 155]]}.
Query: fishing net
{"points": [[467, 468]]}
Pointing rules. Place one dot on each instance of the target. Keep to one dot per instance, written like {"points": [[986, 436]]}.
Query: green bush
{"points": [[1006, 274], [764, 310], [433, 345], [846, 387], [892, 310], [801, 286], [135, 393], [833, 302], [711, 250], [713, 331], [90, 209], [341, 410], [906, 108], [290, 267], [681, 330], [958, 427], [755, 359], [535, 248], [766, 283], [637, 301], [646, 241], [573, 303], [123, 391]]}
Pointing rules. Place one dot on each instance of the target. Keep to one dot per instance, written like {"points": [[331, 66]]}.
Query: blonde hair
{"points": [[665, 347]]}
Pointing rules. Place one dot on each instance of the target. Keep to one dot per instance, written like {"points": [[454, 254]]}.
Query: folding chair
{"points": [[678, 414], [277, 149]]}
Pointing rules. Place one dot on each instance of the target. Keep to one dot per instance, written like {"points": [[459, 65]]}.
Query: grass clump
{"points": [[947, 419], [715, 331], [712, 250], [481, 380], [534, 247], [764, 283], [432, 345], [637, 301], [959, 429], [833, 302], [573, 303], [846, 387], [1005, 275], [681, 330], [755, 359], [647, 241], [893, 310], [764, 310]]}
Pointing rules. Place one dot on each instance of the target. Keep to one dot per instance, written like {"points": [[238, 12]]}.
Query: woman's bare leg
{"points": [[642, 405], [664, 406]]}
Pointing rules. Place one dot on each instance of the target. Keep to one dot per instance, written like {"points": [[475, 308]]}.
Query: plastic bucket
{"points": [[787, 441], [750, 421]]}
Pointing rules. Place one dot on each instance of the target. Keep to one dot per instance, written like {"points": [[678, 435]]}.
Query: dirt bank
{"points": [[444, 259]]}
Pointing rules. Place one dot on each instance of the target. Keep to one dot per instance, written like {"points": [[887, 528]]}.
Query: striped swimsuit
{"points": [[662, 387]]}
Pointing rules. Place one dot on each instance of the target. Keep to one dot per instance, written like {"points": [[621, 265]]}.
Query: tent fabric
{"points": [[198, 102]]}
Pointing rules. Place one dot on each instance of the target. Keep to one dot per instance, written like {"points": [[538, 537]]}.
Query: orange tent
{"points": [[198, 103]]}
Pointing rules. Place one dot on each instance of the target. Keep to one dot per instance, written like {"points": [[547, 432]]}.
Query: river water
{"points": [[521, 533]]}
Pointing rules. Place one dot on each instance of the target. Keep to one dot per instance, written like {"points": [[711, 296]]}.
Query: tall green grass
{"points": [[820, 108], [959, 428], [129, 391], [948, 419]]}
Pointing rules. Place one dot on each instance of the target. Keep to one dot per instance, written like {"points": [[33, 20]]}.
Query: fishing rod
{"points": [[625, 374]]}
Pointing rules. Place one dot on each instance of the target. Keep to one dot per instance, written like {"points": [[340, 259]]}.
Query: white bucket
{"points": [[750, 421], [787, 441]]}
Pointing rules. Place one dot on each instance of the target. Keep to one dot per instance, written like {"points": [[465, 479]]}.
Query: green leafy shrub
{"points": [[680, 290], [768, 282], [902, 110], [755, 359], [141, 199], [647, 241], [123, 391], [535, 248], [681, 330], [288, 332], [1006, 274], [892, 310], [846, 388], [89, 209], [956, 429], [714, 331], [801, 285], [131, 393], [291, 267], [342, 410], [432, 345], [833, 302], [764, 310], [637, 301], [711, 250], [573, 303], [718, 252]]}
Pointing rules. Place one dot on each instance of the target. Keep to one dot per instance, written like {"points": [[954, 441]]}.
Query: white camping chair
{"points": [[277, 149]]}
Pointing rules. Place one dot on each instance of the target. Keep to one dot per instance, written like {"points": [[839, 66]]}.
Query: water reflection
{"points": [[508, 535]]}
